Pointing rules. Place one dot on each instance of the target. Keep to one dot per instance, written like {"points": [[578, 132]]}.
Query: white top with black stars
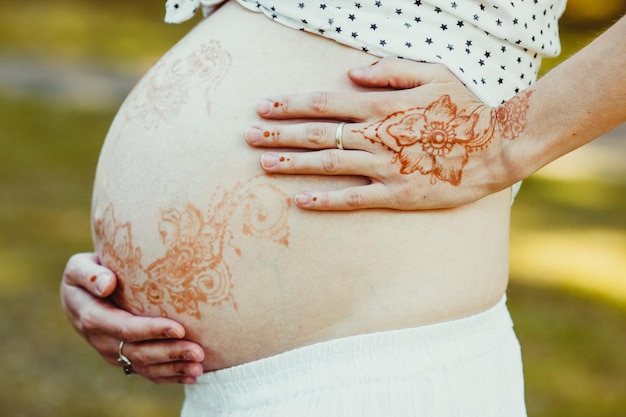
{"points": [[495, 47]]}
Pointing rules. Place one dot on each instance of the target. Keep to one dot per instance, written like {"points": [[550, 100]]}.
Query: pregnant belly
{"points": [[195, 231]]}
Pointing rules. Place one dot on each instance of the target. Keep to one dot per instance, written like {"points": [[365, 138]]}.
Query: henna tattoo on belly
{"points": [[436, 140], [165, 89], [199, 248]]}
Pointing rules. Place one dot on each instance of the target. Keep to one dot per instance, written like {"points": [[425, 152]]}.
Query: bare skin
{"points": [[573, 104], [163, 360], [159, 352]]}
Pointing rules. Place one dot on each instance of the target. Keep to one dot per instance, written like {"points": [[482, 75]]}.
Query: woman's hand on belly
{"points": [[153, 345], [427, 144]]}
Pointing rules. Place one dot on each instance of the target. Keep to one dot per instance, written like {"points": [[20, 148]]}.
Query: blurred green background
{"points": [[65, 66]]}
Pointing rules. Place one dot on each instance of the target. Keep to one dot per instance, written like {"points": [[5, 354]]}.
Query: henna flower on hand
{"points": [[434, 140]]}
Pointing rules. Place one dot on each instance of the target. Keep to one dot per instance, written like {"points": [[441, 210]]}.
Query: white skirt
{"points": [[469, 367]]}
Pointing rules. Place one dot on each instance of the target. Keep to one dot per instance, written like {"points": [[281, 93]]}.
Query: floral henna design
{"points": [[170, 81], [199, 248], [511, 116], [437, 140]]}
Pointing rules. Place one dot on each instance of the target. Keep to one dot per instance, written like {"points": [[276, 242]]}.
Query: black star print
{"points": [[542, 36]]}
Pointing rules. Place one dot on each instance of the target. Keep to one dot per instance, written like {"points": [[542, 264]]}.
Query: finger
{"points": [[175, 372], [308, 136], [320, 105], [172, 372], [161, 352], [374, 195], [324, 162], [169, 361], [84, 270], [96, 317], [398, 73]]}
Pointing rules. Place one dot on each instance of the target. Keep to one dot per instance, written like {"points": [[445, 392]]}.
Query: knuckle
{"points": [[136, 356], [405, 192], [320, 102], [89, 323], [323, 200], [330, 161], [381, 106], [355, 198], [315, 134], [71, 268]]}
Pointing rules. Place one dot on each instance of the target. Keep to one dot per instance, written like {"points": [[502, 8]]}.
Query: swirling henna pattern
{"points": [[170, 81], [436, 140], [199, 249]]}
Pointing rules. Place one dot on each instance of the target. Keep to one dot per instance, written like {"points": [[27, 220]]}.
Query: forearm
{"points": [[573, 104]]}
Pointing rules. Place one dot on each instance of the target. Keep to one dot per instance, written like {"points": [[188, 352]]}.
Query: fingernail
{"points": [[264, 107], [253, 135], [303, 199], [197, 371], [173, 334], [102, 282], [190, 356], [360, 71], [269, 160]]}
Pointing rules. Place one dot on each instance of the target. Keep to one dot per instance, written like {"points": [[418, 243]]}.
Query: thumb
{"points": [[395, 73], [84, 270]]}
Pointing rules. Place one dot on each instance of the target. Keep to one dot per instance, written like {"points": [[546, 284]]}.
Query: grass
{"points": [[568, 240]]}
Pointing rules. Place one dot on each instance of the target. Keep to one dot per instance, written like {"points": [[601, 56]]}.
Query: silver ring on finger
{"points": [[127, 365], [338, 135]]}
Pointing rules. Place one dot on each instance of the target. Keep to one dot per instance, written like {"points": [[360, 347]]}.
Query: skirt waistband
{"points": [[352, 360]]}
